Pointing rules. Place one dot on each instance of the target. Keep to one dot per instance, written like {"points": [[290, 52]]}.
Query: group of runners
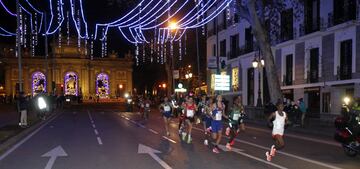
{"points": [[211, 112]]}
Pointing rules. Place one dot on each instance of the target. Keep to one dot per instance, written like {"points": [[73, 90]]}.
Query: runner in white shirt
{"points": [[165, 109], [277, 120]]}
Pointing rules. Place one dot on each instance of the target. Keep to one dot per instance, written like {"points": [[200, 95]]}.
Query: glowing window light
{"points": [[38, 83], [71, 84]]}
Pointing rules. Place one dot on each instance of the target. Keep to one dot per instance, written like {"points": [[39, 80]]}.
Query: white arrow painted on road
{"points": [[54, 154], [152, 152]]}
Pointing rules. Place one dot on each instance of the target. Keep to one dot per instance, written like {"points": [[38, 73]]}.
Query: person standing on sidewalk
{"points": [[302, 108], [22, 105]]}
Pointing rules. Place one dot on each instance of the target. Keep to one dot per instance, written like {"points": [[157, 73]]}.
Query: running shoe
{"points": [[216, 150], [228, 146], [206, 142], [183, 134], [273, 150], [208, 130], [189, 140], [268, 156], [227, 132], [232, 142]]}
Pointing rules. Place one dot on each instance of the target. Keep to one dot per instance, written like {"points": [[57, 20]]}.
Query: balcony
{"points": [[242, 50]]}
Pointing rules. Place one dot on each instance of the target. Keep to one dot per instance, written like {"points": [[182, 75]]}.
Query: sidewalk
{"points": [[8, 115], [314, 127]]}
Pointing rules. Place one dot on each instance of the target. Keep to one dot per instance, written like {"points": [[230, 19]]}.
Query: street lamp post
{"points": [[259, 63]]}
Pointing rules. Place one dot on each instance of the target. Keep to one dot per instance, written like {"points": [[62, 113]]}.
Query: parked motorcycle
{"points": [[348, 131]]}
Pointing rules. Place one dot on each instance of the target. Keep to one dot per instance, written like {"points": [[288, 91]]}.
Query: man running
{"points": [[190, 109], [218, 111], [147, 108], [279, 118], [165, 109], [207, 120], [236, 121]]}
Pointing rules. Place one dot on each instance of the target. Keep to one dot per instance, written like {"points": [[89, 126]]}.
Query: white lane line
{"points": [[17, 145], [140, 125], [93, 125], [298, 137], [153, 131], [96, 132], [90, 117], [167, 138], [283, 153], [99, 141]]}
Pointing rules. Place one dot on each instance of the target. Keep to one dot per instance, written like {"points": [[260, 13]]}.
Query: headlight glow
{"points": [[41, 103]]}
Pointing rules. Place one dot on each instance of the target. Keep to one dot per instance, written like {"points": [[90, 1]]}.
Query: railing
{"points": [[242, 50]]}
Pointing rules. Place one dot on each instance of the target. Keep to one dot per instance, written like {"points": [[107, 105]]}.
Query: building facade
{"points": [[68, 71], [317, 55]]}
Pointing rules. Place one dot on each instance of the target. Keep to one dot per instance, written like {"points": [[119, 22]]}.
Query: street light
{"points": [[173, 25], [259, 63]]}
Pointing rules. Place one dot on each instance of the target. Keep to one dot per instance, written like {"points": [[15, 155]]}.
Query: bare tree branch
{"points": [[243, 11]]}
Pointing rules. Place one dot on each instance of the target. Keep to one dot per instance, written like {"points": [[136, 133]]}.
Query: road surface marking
{"points": [[142, 149], [153, 131], [283, 153], [99, 141], [93, 125], [239, 151], [299, 137], [96, 132], [167, 138], [27, 138], [54, 154], [90, 117]]}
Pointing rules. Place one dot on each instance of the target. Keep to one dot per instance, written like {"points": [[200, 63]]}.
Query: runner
{"points": [[218, 111], [190, 108], [165, 109], [147, 108], [279, 118], [182, 102], [207, 120], [236, 121]]}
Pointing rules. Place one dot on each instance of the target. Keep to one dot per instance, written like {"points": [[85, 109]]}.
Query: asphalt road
{"points": [[105, 137]]}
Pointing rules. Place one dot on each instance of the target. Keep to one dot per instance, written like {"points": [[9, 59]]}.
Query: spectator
{"points": [[302, 109], [22, 105]]}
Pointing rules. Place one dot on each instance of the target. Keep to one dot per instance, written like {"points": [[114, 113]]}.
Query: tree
{"points": [[256, 12]]}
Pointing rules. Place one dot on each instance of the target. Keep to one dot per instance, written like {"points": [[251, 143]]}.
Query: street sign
{"points": [[212, 62], [176, 74], [222, 83]]}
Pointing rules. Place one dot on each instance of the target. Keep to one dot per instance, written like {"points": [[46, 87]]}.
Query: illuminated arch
{"points": [[102, 85], [38, 83], [71, 84]]}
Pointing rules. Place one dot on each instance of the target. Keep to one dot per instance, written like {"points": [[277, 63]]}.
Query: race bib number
{"points": [[236, 117], [167, 108], [189, 113], [147, 105], [218, 116]]}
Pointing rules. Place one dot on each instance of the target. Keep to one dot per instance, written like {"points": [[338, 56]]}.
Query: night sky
{"points": [[146, 74]]}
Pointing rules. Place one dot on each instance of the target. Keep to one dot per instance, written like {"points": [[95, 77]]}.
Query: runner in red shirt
{"points": [[190, 109]]}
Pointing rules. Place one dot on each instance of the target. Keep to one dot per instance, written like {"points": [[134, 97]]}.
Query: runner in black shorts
{"points": [[165, 109]]}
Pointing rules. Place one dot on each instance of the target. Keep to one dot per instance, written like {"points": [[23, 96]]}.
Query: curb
{"points": [[8, 144]]}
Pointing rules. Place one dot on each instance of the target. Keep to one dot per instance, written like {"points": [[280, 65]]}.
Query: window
{"points": [[289, 69], [314, 65], [287, 25], [249, 40], [312, 16], [344, 10], [214, 50], [345, 60], [250, 86], [326, 102], [235, 79], [234, 45], [223, 48]]}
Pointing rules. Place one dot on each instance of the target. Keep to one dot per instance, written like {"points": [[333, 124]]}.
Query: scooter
{"points": [[347, 132]]}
